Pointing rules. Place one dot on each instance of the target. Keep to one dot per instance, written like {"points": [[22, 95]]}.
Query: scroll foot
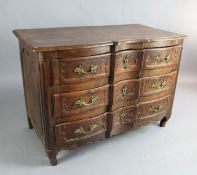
{"points": [[163, 122]]}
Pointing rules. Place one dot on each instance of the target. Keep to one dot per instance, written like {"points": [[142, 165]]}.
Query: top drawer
{"points": [[161, 57], [128, 61], [76, 70]]}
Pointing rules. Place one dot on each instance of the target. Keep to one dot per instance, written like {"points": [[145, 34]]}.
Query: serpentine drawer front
{"points": [[76, 132], [84, 84], [73, 70], [81, 104]]}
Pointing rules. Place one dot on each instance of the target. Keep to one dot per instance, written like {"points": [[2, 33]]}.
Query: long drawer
{"points": [[79, 70], [81, 104], [82, 130]]}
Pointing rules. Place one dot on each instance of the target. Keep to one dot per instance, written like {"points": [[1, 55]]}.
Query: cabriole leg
{"points": [[52, 157], [29, 123]]}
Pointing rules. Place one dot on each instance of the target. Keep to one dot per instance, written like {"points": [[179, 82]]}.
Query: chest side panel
{"points": [[31, 81]]}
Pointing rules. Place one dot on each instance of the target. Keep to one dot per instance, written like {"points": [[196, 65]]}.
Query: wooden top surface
{"points": [[44, 39]]}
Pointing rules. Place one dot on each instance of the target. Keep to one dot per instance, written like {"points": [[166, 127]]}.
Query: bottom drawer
{"points": [[159, 107], [123, 119], [78, 131]]}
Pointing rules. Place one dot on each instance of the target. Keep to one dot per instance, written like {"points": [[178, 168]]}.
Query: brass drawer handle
{"points": [[126, 61], [158, 85], [122, 117], [81, 130], [80, 70], [124, 90], [160, 59], [81, 102], [155, 109]]}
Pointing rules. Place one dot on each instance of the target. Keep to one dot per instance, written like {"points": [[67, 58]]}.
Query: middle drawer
{"points": [[125, 93], [157, 86], [82, 104]]}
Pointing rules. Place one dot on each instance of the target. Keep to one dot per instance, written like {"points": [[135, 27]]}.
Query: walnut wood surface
{"points": [[66, 132], [30, 70], [63, 69], [67, 37], [153, 85], [88, 83], [130, 95], [160, 106], [134, 63], [64, 103], [123, 119]]}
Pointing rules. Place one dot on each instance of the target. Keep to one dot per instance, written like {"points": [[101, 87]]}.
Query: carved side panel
{"points": [[30, 71]]}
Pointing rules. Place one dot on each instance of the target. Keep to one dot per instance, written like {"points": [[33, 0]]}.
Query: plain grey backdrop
{"points": [[147, 150]]}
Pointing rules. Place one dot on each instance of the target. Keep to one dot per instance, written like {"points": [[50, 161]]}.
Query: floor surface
{"points": [[148, 150]]}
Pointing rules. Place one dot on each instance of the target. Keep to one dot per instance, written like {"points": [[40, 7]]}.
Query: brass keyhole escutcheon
{"points": [[122, 117], [126, 61], [124, 90]]}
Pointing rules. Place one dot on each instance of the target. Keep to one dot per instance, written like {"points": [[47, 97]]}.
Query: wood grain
{"points": [[50, 39]]}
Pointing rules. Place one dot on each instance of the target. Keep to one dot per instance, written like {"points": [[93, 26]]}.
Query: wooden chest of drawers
{"points": [[83, 84]]}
